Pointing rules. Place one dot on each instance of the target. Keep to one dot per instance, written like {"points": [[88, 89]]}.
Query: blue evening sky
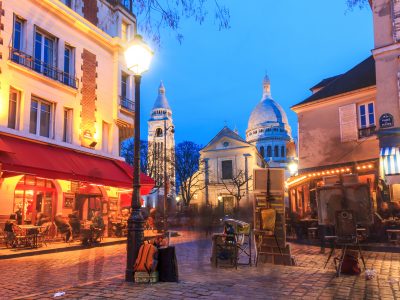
{"points": [[215, 77]]}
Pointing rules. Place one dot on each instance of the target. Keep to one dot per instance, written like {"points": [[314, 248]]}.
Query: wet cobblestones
{"points": [[98, 274]]}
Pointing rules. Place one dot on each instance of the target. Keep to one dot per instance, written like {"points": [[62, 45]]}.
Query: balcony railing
{"points": [[41, 67], [127, 4], [366, 132], [127, 104]]}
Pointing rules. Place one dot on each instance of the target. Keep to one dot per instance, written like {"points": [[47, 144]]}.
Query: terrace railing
{"points": [[127, 104], [43, 68]]}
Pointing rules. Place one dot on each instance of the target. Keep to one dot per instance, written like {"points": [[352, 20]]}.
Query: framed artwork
{"points": [[68, 200], [113, 204]]}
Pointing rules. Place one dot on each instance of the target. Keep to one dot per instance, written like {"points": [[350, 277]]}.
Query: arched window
{"points": [[276, 151], [269, 151], [33, 195], [283, 151], [158, 132], [262, 151]]}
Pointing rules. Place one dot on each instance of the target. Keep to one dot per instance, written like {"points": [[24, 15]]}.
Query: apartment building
{"points": [[66, 104]]}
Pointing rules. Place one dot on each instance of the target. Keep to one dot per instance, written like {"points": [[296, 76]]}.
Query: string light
{"points": [[330, 172]]}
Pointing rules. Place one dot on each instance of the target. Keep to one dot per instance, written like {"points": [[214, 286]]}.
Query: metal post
{"points": [[165, 175], [135, 221], [207, 181], [246, 175]]}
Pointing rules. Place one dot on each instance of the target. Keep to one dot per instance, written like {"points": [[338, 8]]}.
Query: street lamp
{"points": [[138, 57], [165, 170], [293, 168]]}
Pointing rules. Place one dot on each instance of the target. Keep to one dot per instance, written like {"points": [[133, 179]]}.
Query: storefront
{"points": [[302, 188], [41, 178]]}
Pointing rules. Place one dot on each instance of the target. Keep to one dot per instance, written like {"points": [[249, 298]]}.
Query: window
{"points": [[17, 38], [276, 151], [40, 117], [124, 31], [106, 134], [67, 126], [124, 85], [159, 132], [269, 151], [13, 109], [366, 115], [366, 120], [45, 55], [69, 66], [227, 169], [262, 151], [283, 151]]}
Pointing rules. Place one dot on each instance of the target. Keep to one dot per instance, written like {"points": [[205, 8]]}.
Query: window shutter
{"points": [[396, 19], [348, 123]]}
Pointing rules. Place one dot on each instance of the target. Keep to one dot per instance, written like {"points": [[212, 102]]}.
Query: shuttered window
{"points": [[396, 19], [348, 123]]}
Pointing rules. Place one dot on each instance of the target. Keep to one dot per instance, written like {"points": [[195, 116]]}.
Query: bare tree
{"points": [[189, 171], [236, 185], [155, 15], [127, 153]]}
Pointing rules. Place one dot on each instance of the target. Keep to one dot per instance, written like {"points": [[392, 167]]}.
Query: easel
{"points": [[346, 230]]}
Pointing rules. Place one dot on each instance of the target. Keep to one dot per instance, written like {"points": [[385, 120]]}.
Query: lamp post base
{"points": [[135, 240]]}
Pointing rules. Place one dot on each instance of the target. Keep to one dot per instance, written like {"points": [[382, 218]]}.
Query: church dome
{"points": [[267, 112]]}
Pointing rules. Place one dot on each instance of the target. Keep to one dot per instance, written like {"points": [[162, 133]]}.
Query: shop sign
{"points": [[386, 121]]}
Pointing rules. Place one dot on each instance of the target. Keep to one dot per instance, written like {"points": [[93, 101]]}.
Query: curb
{"points": [[56, 250], [364, 247]]}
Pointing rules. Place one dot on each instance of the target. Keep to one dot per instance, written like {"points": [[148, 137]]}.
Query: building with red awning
{"points": [[65, 107]]}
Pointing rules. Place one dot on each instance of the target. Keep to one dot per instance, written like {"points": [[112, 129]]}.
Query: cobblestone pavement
{"points": [[97, 273]]}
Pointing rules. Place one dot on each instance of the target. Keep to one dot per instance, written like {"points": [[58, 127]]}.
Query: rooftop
{"points": [[360, 76]]}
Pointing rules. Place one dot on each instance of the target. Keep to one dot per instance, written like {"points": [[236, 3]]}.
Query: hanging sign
{"points": [[386, 121]]}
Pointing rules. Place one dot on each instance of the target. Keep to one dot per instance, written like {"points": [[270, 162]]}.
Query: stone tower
{"points": [[160, 131]]}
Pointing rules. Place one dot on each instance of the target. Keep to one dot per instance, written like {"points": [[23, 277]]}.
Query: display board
{"points": [[356, 197], [269, 193]]}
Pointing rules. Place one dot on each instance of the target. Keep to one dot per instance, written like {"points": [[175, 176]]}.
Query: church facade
{"points": [[227, 164], [228, 160], [161, 151]]}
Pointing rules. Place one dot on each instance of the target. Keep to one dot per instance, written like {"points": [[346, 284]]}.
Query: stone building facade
{"points": [[66, 104]]}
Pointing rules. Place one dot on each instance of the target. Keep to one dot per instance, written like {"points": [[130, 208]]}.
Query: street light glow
{"points": [[138, 56], [293, 168]]}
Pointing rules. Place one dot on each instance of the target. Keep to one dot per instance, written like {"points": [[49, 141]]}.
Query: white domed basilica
{"points": [[268, 129]]}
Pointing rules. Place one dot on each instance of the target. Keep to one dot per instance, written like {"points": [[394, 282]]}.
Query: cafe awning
{"points": [[390, 160], [55, 162]]}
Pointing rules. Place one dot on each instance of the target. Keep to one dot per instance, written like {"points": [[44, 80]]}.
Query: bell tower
{"points": [[161, 144]]}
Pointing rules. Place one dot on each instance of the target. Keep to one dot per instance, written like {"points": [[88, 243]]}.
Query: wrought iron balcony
{"points": [[366, 132], [127, 4], [41, 67], [127, 103]]}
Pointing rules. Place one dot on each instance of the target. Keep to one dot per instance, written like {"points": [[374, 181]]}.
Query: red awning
{"points": [[126, 200], [49, 161]]}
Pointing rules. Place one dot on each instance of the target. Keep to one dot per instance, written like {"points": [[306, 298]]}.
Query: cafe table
{"points": [[31, 235]]}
